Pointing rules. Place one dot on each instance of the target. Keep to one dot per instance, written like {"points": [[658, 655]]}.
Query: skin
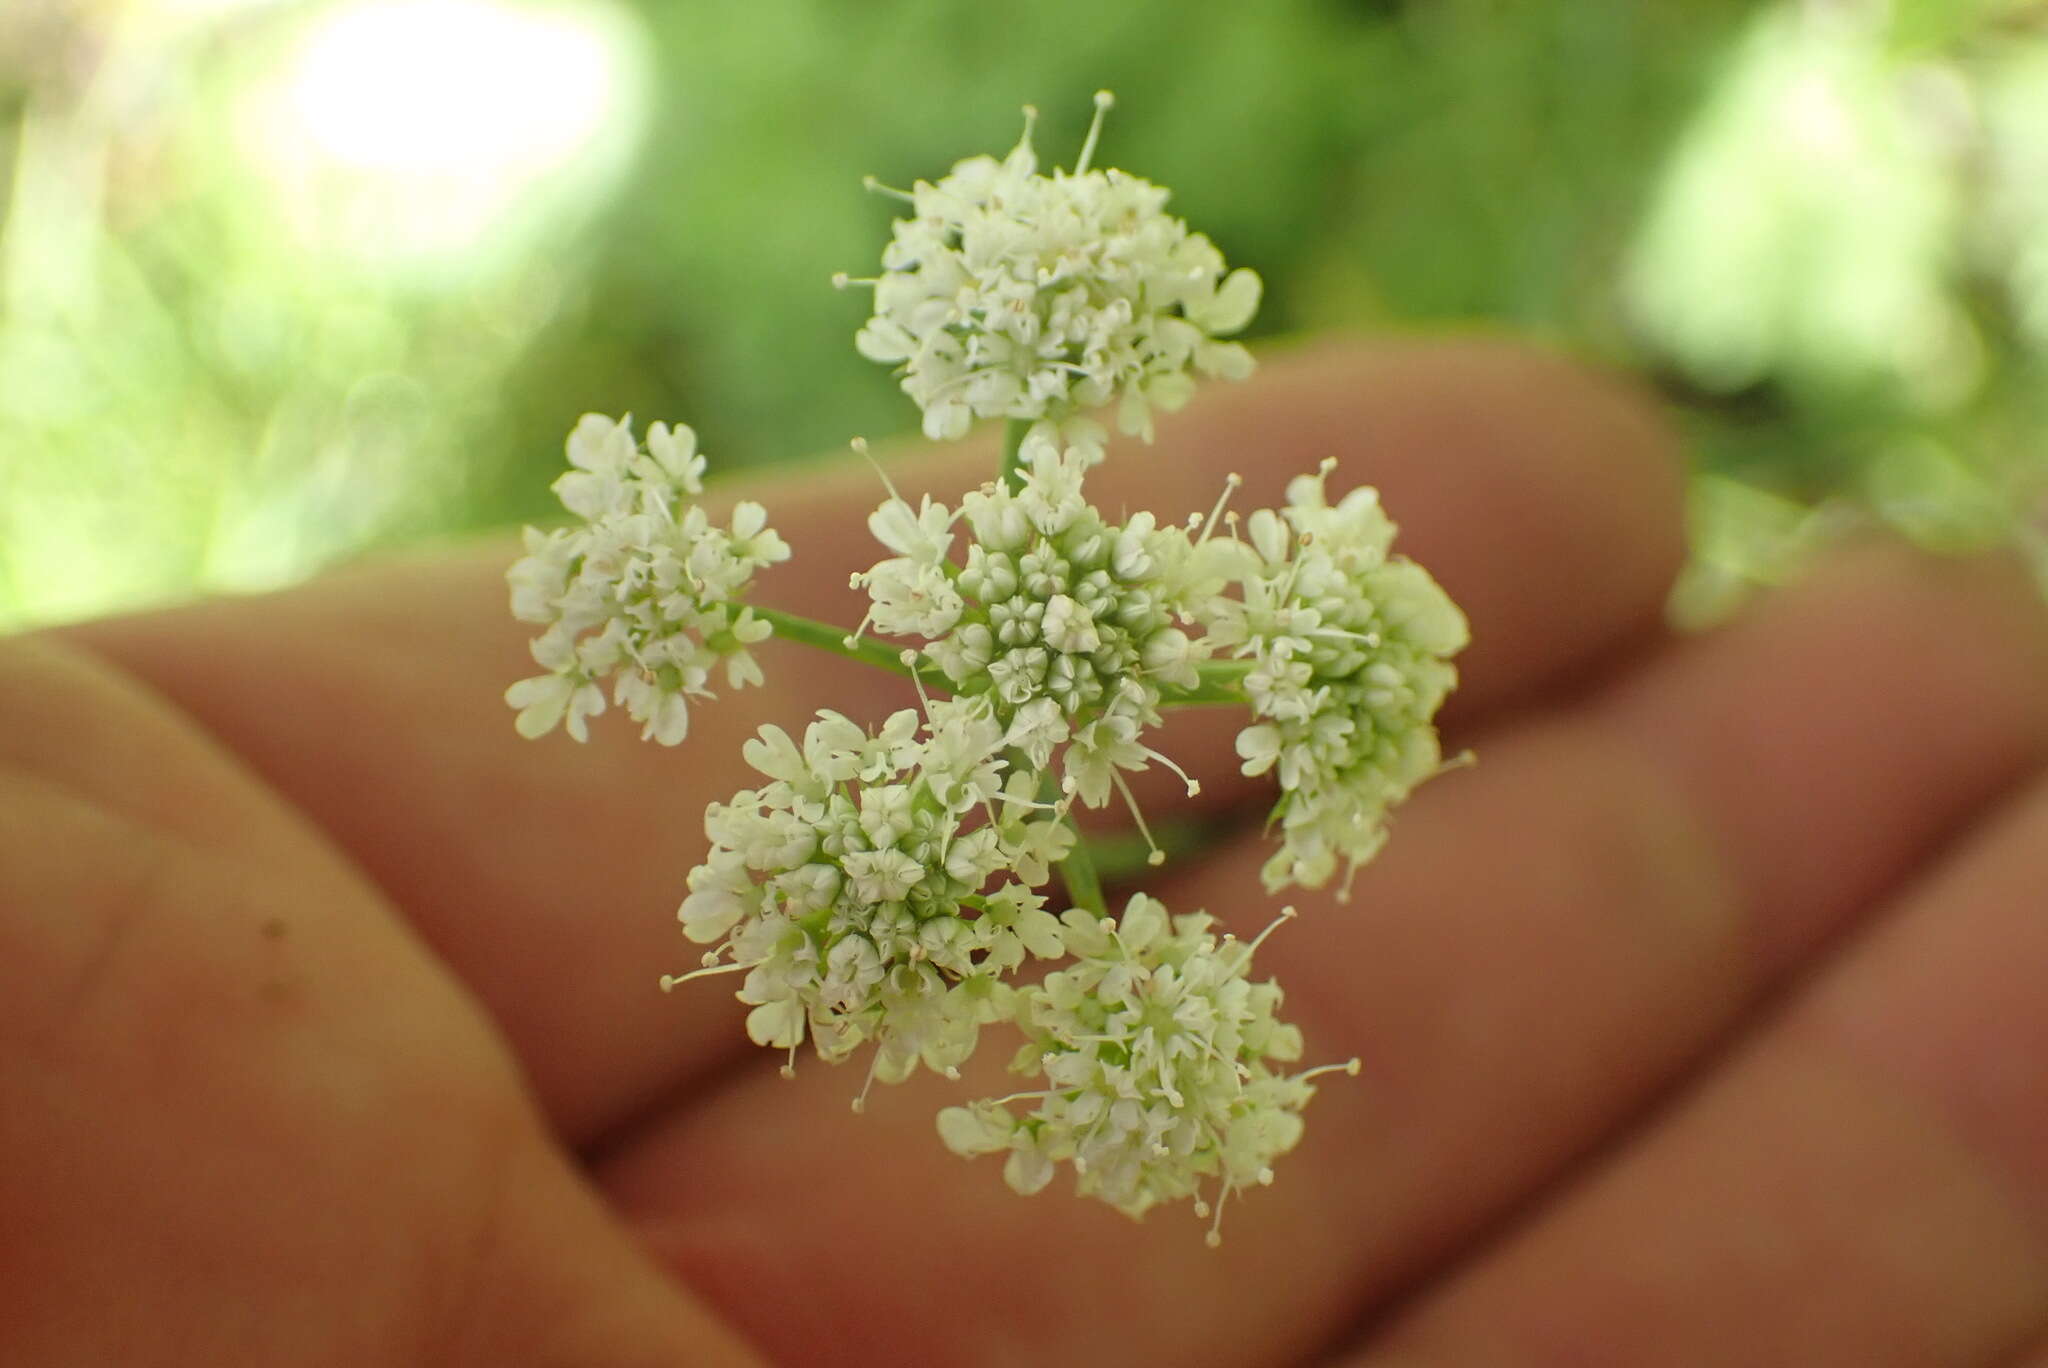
{"points": [[1700, 1020]]}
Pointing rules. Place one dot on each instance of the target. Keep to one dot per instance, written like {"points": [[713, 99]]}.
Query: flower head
{"points": [[879, 886], [1011, 294], [647, 591], [1158, 1055], [1350, 649], [862, 897], [1066, 624]]}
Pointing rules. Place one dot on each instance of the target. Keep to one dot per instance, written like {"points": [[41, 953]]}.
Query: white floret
{"points": [[1010, 294], [646, 592], [1350, 650], [1163, 1067]]}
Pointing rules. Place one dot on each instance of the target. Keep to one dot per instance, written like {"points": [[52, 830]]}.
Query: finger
{"points": [[103, 738], [1867, 1183], [548, 875], [1547, 941], [198, 1127], [245, 1120]]}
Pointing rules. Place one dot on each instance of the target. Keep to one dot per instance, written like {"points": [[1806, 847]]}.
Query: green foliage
{"points": [[1822, 228]]}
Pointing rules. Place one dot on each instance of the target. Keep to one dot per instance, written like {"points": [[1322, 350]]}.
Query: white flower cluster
{"points": [[861, 900], [1010, 294], [1065, 623], [1351, 651], [880, 888], [647, 590], [1158, 1056]]}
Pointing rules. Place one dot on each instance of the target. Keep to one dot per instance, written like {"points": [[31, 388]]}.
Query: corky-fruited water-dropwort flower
{"points": [[881, 885]]}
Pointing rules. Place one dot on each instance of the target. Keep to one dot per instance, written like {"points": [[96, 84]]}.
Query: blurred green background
{"points": [[280, 281]]}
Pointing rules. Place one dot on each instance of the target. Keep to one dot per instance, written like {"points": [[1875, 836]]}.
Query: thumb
{"points": [[245, 1117]]}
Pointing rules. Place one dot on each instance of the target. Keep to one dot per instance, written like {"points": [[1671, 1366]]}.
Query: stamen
{"points": [[1156, 856], [1286, 914], [1103, 101], [1194, 786], [1294, 567], [909, 659], [1038, 1096], [860, 1103], [1349, 1067], [1214, 1239], [669, 981], [841, 280], [860, 448], [788, 1070], [875, 187], [1230, 486]]}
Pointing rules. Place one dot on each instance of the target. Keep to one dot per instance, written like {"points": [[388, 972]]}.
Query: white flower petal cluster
{"points": [[1010, 294], [1158, 1056], [1066, 623], [646, 591], [878, 886], [1350, 649]]}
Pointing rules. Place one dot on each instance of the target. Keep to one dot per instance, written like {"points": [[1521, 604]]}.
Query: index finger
{"points": [[1544, 499]]}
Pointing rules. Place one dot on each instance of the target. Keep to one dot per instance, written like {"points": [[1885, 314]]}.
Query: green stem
{"points": [[1077, 871], [837, 640], [1221, 682], [1011, 472]]}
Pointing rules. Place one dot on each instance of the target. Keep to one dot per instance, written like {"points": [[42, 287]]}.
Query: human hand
{"points": [[1700, 1021]]}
